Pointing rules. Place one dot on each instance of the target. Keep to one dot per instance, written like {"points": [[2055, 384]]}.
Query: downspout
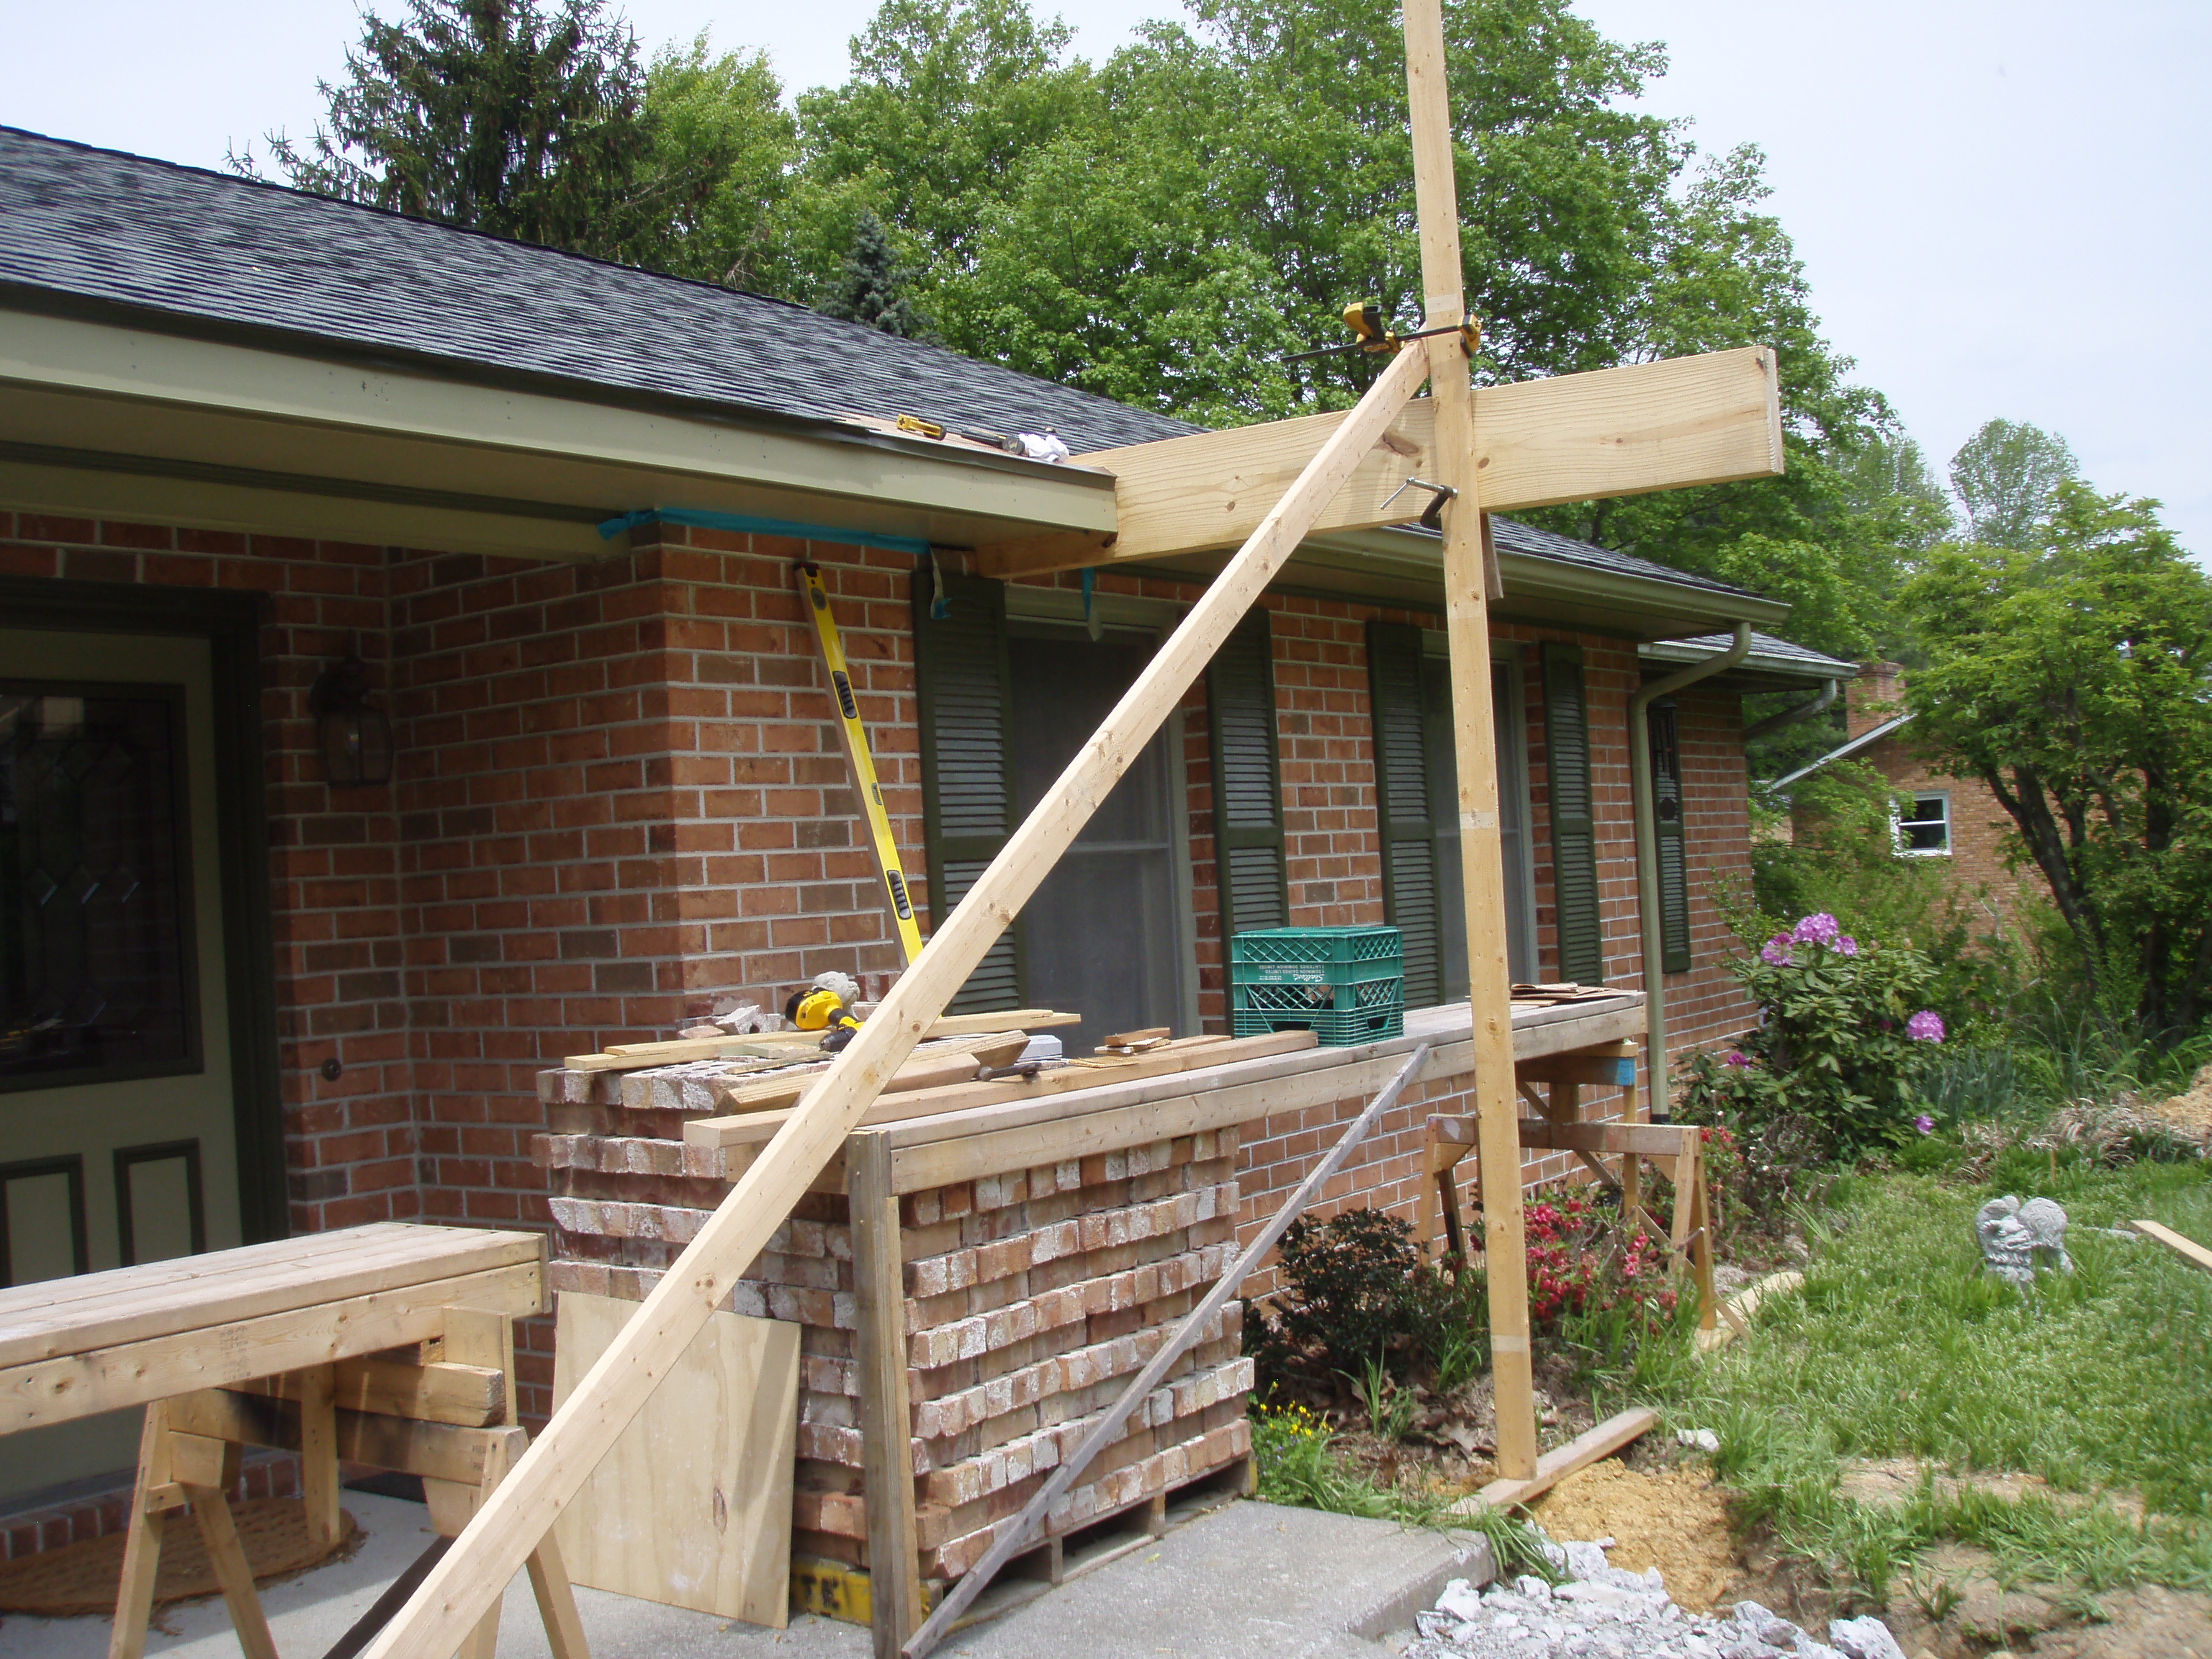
{"points": [[1804, 711], [1647, 853]]}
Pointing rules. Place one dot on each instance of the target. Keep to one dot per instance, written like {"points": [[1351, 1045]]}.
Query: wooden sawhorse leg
{"points": [[176, 1470]]}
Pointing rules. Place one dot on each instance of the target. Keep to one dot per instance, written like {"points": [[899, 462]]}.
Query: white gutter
{"points": [[1647, 853]]}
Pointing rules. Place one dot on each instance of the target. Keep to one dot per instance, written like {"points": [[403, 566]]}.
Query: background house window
{"points": [[1668, 813], [1926, 831]]}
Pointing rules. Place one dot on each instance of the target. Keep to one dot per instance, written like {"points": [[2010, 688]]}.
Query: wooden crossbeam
{"points": [[1707, 419], [521, 1510]]}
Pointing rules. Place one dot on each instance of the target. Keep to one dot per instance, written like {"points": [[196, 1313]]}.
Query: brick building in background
{"points": [[263, 434], [1954, 821]]}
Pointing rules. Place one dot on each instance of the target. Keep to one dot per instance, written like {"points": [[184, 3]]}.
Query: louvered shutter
{"points": [[1667, 815], [1574, 821], [1248, 780], [961, 676], [1402, 796]]}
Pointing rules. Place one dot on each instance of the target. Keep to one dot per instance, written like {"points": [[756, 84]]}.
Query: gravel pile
{"points": [[1604, 1612]]}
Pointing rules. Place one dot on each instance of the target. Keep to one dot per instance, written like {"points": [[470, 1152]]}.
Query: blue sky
{"points": [[2004, 208]]}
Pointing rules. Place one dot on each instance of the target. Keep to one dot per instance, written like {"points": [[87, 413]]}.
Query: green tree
{"points": [[496, 114], [2075, 679], [2006, 478], [873, 288], [722, 151]]}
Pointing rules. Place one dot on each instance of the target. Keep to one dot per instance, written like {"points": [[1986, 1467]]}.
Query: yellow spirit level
{"points": [[856, 737]]}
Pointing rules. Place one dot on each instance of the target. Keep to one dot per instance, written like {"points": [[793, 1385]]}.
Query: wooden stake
{"points": [[523, 1508], [1469, 583], [318, 1453]]}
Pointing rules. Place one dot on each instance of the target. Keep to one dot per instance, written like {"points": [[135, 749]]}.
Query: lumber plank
{"points": [[1739, 1311], [524, 1507], [1710, 418], [2180, 1243], [142, 1544], [937, 1069], [1469, 585], [692, 1507], [133, 1373], [435, 1451], [753, 1127], [1598, 1071], [130, 1304], [318, 1453], [1555, 1465], [886, 1420], [1011, 1019], [469, 1396]]}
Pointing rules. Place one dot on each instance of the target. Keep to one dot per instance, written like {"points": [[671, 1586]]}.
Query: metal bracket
{"points": [[1432, 515]]}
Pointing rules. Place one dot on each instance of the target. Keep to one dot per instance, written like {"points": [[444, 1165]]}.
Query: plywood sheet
{"points": [[692, 1507]]}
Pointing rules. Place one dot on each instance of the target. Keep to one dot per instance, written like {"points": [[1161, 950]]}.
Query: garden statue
{"points": [[2018, 1238]]}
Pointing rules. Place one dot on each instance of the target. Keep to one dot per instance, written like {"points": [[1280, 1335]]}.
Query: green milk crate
{"points": [[1346, 985]]}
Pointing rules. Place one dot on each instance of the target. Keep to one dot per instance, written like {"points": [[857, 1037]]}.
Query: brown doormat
{"points": [[86, 1577]]}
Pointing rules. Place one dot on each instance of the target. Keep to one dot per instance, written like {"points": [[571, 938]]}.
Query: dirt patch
{"points": [[1893, 1481], [1674, 1520], [2191, 1111], [1451, 1441], [2143, 1623]]}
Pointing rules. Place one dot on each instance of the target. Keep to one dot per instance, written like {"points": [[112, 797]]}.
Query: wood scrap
{"points": [[1555, 1465], [756, 1127], [2180, 1243], [955, 1061], [1132, 1042], [769, 1047]]}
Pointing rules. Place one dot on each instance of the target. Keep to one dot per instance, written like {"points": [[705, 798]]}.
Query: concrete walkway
{"points": [[1249, 1578]]}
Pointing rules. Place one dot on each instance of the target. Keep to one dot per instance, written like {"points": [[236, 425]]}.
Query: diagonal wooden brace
{"points": [[522, 1510]]}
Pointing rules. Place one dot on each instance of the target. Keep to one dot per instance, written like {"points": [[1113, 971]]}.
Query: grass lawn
{"points": [[1900, 1346]]}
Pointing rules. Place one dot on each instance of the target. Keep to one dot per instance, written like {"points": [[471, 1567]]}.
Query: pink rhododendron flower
{"points": [[1926, 1026], [1847, 946], [1816, 929], [1736, 1057], [1775, 950], [1925, 1123]]}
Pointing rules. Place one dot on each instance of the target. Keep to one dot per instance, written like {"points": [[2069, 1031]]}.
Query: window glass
{"points": [[1929, 829], [95, 957]]}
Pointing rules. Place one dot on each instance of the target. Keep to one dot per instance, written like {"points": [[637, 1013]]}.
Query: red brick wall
{"points": [[618, 795]]}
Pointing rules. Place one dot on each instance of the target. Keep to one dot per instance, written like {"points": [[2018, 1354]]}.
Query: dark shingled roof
{"points": [[106, 226], [103, 226]]}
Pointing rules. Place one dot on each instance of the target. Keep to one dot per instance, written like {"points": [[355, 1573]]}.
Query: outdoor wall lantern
{"points": [[354, 733]]}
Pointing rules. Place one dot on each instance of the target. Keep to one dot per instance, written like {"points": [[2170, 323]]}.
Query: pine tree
{"points": [[506, 116], [872, 288]]}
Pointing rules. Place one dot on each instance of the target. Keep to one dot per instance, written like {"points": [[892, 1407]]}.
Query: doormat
{"points": [[85, 1578]]}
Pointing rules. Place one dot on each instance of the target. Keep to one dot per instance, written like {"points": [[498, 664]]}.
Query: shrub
{"points": [[1844, 1033], [1350, 1289], [1582, 1260]]}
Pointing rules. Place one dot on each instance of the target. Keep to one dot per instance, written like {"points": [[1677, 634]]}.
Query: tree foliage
{"points": [[873, 289], [2075, 678], [2006, 478]]}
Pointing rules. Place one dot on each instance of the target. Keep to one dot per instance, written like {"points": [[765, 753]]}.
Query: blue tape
{"points": [[745, 523]]}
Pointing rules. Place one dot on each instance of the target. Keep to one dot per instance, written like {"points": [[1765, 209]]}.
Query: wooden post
{"points": [[318, 1453], [523, 1510], [886, 1421], [142, 1545], [1467, 586]]}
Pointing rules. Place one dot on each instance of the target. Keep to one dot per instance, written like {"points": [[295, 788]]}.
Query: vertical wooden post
{"points": [[1466, 589], [886, 1421], [318, 1453]]}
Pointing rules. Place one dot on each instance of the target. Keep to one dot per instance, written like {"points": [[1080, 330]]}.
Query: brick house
{"points": [[1956, 820], [551, 506]]}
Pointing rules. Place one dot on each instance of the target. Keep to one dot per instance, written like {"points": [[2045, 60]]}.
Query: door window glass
{"points": [[95, 948]]}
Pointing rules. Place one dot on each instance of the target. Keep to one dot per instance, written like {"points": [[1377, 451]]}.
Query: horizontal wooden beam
{"points": [[1555, 1465], [1538, 1134], [1707, 419], [468, 1396], [436, 1451]]}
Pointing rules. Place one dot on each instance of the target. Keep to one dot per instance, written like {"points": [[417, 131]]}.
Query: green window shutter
{"points": [[1401, 798], [1574, 817], [962, 678], [1248, 781], [1667, 815]]}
